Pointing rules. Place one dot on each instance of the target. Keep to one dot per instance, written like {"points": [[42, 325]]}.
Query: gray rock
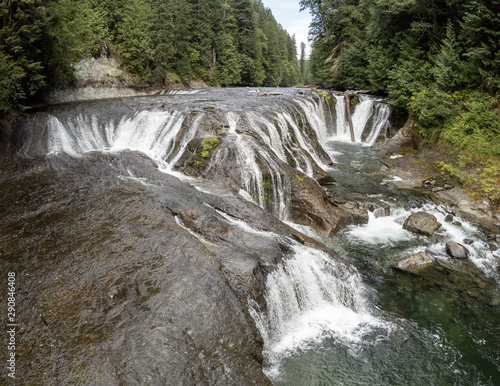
{"points": [[151, 277], [457, 251], [422, 223], [415, 263], [378, 208]]}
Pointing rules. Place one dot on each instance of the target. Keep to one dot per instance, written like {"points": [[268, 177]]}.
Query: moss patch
{"points": [[208, 145]]}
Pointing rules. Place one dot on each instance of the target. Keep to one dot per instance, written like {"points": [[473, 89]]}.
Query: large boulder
{"points": [[310, 206], [415, 263], [422, 223], [456, 250]]}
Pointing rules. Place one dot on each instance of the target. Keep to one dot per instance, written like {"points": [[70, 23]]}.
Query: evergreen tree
{"points": [[448, 70], [302, 63], [134, 38]]}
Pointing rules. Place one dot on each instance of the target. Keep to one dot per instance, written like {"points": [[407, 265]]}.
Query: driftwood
{"points": [[351, 127], [348, 94], [267, 93]]}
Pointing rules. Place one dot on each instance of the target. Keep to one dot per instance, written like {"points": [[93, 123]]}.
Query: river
{"points": [[147, 254]]}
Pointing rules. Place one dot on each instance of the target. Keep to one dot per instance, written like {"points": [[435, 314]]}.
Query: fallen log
{"points": [[269, 93]]}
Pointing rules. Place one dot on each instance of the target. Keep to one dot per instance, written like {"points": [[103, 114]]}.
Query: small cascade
{"points": [[362, 112], [311, 296], [369, 118], [158, 134], [381, 116], [342, 122], [260, 174]]}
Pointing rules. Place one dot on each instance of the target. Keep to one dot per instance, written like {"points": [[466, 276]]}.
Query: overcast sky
{"points": [[287, 13]]}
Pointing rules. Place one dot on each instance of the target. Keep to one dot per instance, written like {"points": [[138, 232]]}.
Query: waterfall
{"points": [[342, 122], [310, 296], [259, 170], [368, 119], [267, 140], [381, 117], [154, 133], [362, 112]]}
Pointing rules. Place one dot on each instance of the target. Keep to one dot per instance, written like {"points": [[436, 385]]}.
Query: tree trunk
{"points": [[351, 128]]}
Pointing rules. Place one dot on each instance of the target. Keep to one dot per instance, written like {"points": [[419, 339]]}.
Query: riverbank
{"points": [[417, 164]]}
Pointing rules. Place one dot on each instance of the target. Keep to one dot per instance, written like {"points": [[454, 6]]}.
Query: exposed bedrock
{"points": [[127, 275]]}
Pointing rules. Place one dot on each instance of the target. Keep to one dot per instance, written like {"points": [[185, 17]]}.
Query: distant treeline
{"points": [[438, 58], [400, 47], [222, 42]]}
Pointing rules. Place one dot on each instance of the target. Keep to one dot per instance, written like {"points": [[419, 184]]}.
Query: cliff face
{"points": [[105, 77]]}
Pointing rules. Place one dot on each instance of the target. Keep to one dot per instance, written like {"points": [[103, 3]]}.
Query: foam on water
{"points": [[384, 231], [387, 231], [310, 297]]}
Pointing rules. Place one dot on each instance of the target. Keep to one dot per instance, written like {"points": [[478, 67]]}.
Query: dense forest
{"points": [[222, 42], [438, 58]]}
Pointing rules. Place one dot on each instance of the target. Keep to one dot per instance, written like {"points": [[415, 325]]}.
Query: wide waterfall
{"points": [[293, 133], [221, 237]]}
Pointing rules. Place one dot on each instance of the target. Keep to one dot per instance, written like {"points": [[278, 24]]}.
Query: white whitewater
{"points": [[369, 117], [153, 133], [311, 297], [388, 232], [362, 112], [252, 160], [381, 116]]}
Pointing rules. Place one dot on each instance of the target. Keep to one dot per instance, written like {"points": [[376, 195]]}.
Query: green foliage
{"points": [[449, 169], [207, 145], [475, 123], [431, 108], [11, 89], [39, 43], [449, 69], [399, 47], [224, 42], [465, 119], [134, 38]]}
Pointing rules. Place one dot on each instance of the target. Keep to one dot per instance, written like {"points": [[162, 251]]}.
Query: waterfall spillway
{"points": [[154, 133], [265, 141], [369, 117]]}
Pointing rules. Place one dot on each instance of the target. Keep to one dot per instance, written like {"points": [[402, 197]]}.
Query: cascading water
{"points": [[154, 133], [369, 117], [248, 156], [323, 322], [307, 301]]}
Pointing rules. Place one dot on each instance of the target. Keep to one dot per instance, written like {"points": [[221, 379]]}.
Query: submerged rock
{"points": [[415, 263], [456, 250], [422, 223]]}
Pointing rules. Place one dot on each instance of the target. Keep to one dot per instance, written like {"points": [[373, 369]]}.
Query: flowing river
{"points": [[173, 257]]}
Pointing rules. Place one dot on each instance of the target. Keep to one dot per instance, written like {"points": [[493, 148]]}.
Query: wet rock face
{"points": [[133, 280], [457, 251], [422, 223]]}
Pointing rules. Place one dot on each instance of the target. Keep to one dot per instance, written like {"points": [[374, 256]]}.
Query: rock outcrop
{"points": [[422, 223], [415, 263], [456, 250], [129, 276]]}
